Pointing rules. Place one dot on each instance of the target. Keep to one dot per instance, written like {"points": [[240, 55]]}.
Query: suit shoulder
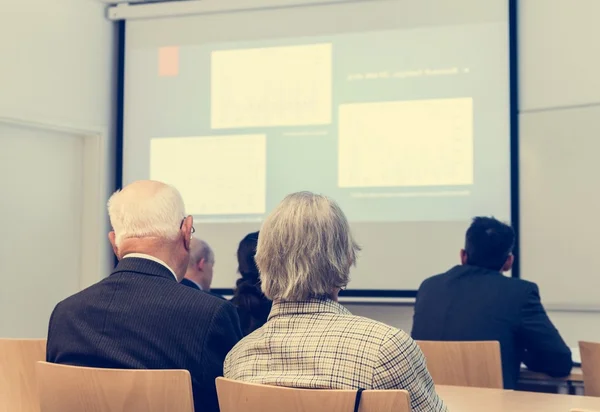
{"points": [[81, 296], [190, 297], [431, 283], [518, 289], [519, 283], [528, 284], [75, 303], [432, 280]]}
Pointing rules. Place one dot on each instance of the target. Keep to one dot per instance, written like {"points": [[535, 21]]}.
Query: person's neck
{"points": [[157, 248]]}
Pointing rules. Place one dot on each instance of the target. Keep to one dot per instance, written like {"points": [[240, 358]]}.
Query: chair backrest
{"points": [[474, 364], [590, 365], [235, 396], [71, 388], [17, 372]]}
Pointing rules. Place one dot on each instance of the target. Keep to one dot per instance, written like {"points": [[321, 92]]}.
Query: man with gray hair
{"points": [[139, 317], [199, 272]]}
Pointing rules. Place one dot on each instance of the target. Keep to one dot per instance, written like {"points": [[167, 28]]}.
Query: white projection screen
{"points": [[397, 109]]}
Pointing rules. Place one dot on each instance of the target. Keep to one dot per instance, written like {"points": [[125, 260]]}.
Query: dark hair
{"points": [[253, 306], [245, 255], [489, 243]]}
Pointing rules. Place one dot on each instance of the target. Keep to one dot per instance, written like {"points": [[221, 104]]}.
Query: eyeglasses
{"points": [[181, 226]]}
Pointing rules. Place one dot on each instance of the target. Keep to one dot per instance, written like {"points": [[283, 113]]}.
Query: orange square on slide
{"points": [[168, 61]]}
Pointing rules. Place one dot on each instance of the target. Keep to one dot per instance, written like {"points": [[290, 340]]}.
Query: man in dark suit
{"points": [[476, 302], [140, 317]]}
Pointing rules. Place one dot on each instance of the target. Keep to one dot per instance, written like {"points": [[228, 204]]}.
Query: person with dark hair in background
{"points": [[253, 306], [475, 302]]}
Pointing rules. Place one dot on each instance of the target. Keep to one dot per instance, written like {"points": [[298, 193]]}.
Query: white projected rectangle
{"points": [[271, 86], [216, 175], [406, 143]]}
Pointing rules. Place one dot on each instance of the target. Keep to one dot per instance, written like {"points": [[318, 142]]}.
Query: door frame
{"points": [[95, 254]]}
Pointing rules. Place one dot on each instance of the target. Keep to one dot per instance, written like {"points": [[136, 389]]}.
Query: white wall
{"points": [[559, 66], [57, 70], [559, 62], [57, 62], [559, 55]]}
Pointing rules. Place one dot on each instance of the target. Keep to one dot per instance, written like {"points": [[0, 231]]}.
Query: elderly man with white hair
{"points": [[140, 317], [305, 251]]}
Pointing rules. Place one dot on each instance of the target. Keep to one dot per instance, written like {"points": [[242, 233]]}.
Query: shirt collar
{"points": [[324, 305], [152, 258]]}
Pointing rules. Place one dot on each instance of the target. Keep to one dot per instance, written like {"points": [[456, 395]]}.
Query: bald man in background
{"points": [[139, 317], [199, 272]]}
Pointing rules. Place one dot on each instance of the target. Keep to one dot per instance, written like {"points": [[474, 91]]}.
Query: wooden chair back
{"points": [[71, 388], [17, 373], [473, 364], [235, 396], [590, 365]]}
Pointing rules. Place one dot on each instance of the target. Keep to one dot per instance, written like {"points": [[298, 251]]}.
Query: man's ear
{"points": [[186, 232], [201, 264], [112, 239], [508, 264], [463, 257]]}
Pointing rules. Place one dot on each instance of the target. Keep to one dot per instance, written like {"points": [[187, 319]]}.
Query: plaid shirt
{"points": [[320, 344]]}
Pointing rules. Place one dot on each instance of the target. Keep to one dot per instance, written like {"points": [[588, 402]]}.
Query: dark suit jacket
{"points": [[189, 283], [193, 285], [141, 318], [472, 304]]}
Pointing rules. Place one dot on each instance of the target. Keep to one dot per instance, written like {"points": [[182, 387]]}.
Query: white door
{"points": [[41, 209]]}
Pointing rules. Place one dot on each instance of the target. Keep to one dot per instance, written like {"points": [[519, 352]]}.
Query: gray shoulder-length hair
{"points": [[305, 248]]}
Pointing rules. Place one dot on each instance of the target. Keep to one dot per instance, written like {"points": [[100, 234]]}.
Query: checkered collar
{"points": [[323, 305]]}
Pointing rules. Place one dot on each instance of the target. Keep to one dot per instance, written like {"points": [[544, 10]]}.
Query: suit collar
{"points": [[145, 267], [469, 270], [152, 258], [283, 308], [190, 283]]}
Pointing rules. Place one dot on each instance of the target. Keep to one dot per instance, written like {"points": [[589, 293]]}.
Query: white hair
{"points": [[146, 208], [201, 250], [305, 248]]}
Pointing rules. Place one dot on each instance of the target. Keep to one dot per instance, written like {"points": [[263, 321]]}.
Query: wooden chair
{"points": [[70, 388], [17, 373], [590, 365], [474, 364], [235, 396]]}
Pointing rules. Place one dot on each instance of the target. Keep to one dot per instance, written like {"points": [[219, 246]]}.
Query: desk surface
{"points": [[497, 400], [575, 376]]}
